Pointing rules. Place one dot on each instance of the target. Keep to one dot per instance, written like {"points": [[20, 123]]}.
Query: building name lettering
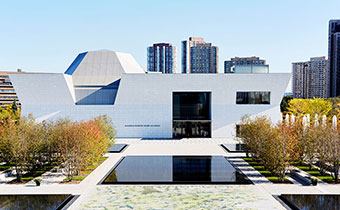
{"points": [[133, 126]]}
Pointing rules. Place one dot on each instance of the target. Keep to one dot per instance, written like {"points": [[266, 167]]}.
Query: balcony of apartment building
{"points": [[7, 92]]}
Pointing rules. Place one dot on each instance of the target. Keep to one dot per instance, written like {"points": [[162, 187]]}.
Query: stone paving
{"points": [[94, 196], [49, 177], [180, 197]]}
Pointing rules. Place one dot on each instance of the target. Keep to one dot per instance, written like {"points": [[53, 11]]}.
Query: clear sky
{"points": [[45, 36]]}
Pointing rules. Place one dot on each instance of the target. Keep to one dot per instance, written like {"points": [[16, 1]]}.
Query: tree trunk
{"points": [[336, 171], [18, 173], [282, 177]]}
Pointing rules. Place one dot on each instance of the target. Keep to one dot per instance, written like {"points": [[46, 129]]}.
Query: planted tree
{"points": [[82, 143], [16, 145], [332, 148], [300, 107], [284, 143], [310, 145], [285, 103], [325, 134], [254, 133]]}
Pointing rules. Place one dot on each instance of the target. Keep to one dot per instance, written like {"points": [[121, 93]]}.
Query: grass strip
{"points": [[261, 169]]}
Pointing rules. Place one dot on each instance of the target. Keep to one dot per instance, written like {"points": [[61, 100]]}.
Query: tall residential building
{"points": [[199, 56], [7, 92], [228, 64], [310, 78], [334, 58], [162, 58], [186, 46]]}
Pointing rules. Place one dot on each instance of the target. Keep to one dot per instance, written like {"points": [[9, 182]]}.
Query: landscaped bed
{"points": [[268, 174], [84, 172], [28, 177], [314, 171], [32, 175], [4, 167]]}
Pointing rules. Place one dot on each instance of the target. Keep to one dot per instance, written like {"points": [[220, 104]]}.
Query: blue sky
{"points": [[45, 36]]}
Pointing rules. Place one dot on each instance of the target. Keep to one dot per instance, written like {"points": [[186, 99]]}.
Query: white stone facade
{"points": [[143, 102]]}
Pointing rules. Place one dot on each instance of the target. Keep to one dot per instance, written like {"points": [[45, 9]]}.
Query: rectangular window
{"points": [[191, 106], [255, 97]]}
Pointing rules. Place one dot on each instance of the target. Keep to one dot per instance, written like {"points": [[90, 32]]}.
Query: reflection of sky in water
{"points": [[315, 202], [173, 168], [117, 148]]}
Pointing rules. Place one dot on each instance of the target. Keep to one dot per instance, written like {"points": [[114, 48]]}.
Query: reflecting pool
{"points": [[174, 169], [312, 202], [33, 202]]}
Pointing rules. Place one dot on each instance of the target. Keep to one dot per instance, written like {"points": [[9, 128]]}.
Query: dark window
{"points": [[191, 106], [191, 114], [253, 97]]}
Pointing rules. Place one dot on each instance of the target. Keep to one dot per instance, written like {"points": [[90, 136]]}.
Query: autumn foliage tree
{"points": [[20, 143], [300, 107], [273, 145], [29, 145], [82, 143]]}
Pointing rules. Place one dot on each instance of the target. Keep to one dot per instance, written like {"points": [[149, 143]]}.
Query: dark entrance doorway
{"points": [[191, 115]]}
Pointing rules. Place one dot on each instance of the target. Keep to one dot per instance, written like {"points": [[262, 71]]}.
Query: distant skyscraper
{"points": [[199, 56], [334, 58], [162, 58], [228, 64], [310, 78]]}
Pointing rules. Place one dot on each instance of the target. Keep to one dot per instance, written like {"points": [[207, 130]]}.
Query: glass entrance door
{"points": [[191, 115], [191, 129]]}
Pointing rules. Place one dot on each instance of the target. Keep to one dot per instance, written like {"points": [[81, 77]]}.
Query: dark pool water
{"points": [[117, 148], [313, 202], [31, 202], [174, 169]]}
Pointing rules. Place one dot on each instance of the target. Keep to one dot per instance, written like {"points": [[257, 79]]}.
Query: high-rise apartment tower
{"points": [[334, 58], [162, 58], [310, 78], [199, 56]]}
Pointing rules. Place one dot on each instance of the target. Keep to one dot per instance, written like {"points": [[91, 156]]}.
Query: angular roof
{"points": [[102, 67]]}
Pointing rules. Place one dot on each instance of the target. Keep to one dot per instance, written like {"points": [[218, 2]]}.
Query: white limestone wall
{"points": [[143, 106]]}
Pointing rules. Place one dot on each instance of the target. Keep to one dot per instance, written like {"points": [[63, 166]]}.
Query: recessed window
{"points": [[258, 97]]}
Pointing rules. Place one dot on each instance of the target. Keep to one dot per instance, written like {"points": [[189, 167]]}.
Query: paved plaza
{"points": [[94, 196]]}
